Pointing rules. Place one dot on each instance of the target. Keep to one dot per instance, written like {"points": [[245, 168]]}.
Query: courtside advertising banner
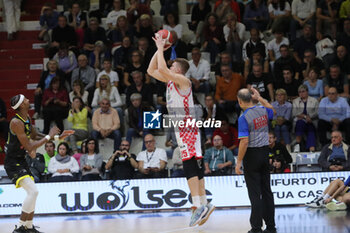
{"points": [[155, 194]]}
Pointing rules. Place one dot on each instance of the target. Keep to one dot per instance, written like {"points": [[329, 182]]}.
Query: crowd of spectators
{"points": [[295, 53]]}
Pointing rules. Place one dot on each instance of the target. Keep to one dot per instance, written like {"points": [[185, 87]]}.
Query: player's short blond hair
{"points": [[183, 63]]}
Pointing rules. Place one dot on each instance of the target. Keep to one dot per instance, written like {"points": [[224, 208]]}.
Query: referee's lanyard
{"points": [[149, 158]]}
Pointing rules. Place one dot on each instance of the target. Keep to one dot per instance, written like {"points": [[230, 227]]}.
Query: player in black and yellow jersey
{"points": [[22, 139]]}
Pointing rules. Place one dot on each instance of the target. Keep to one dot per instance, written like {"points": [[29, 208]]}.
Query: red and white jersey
{"points": [[181, 108]]}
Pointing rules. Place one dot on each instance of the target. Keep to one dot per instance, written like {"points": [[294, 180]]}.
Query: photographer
{"points": [[335, 156], [122, 164]]}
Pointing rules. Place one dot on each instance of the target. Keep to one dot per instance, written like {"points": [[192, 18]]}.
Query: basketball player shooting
{"points": [[180, 106], [23, 137]]}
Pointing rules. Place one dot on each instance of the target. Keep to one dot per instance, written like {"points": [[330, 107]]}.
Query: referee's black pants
{"points": [[257, 178]]}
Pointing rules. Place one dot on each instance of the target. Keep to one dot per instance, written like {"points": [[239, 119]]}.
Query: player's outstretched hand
{"points": [[54, 131], [256, 94], [66, 133], [160, 42]]}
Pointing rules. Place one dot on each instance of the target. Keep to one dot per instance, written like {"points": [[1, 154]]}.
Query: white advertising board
{"points": [[153, 194]]}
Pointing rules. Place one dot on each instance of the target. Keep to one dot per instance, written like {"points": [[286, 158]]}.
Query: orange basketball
{"points": [[165, 34]]}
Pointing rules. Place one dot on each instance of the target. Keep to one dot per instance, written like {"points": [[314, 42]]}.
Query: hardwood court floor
{"points": [[288, 220]]}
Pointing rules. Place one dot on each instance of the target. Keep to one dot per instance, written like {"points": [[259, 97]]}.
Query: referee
{"points": [[253, 130]]}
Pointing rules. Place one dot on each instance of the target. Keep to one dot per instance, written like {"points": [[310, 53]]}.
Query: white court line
{"points": [[180, 229]]}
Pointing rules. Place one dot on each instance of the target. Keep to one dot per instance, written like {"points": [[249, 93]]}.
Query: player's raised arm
{"points": [[153, 69], [176, 77]]}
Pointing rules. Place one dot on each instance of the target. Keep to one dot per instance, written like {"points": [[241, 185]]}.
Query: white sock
{"points": [[203, 200], [29, 224], [326, 196], [196, 201], [22, 223]]}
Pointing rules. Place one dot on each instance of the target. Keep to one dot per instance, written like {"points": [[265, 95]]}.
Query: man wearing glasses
{"points": [[334, 114], [152, 161]]}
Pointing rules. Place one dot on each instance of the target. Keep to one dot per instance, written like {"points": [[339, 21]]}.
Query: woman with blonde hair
{"points": [[106, 90]]}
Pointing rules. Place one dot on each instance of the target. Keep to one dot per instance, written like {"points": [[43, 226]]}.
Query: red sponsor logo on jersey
{"points": [[260, 122]]}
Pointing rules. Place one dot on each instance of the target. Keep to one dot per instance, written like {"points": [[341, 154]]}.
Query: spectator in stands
{"points": [[335, 155], [107, 70], [136, 64], [325, 49], [222, 8], [344, 12], [338, 80], [342, 59], [213, 37], [326, 14], [78, 115], [122, 163], [100, 53], [84, 5], [289, 83], [303, 13], [135, 10], [177, 50], [106, 90], [161, 99], [55, 105], [285, 60], [48, 21], [199, 72], [145, 28], [49, 153], [310, 61], [218, 160], [211, 110], [274, 45], [305, 42], [233, 33], [4, 125], [121, 30], [225, 59], [171, 142], [279, 12], [91, 162], [305, 114], [314, 84], [256, 58], [36, 163], [229, 135], [106, 123], [112, 16], [261, 81], [139, 86], [81, 151], [282, 117], [254, 43], [122, 54], [227, 88], [93, 34], [146, 49], [79, 91], [86, 74], [152, 161], [198, 15], [178, 169], [78, 20], [168, 6], [135, 117], [277, 149], [66, 60], [12, 14], [44, 83], [279, 165], [62, 166], [344, 37], [334, 115], [62, 33], [256, 15], [171, 23]]}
